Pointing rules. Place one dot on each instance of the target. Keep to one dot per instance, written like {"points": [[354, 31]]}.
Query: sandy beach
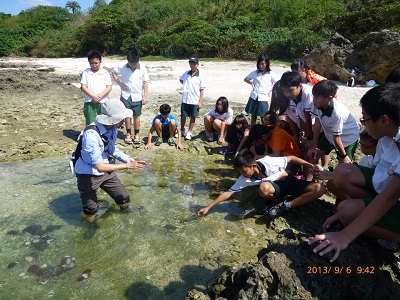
{"points": [[45, 103]]}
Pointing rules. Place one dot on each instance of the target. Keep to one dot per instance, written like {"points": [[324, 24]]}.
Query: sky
{"points": [[14, 7]]}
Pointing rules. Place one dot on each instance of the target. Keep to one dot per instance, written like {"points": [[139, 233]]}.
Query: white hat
{"points": [[113, 112]]}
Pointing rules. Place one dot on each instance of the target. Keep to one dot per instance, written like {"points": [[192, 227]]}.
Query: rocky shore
{"points": [[42, 116]]}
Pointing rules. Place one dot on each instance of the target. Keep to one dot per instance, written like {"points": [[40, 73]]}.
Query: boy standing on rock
{"points": [[193, 91], [96, 85], [133, 79]]}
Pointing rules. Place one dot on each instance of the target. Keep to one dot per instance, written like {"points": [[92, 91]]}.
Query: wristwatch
{"points": [[342, 155]]}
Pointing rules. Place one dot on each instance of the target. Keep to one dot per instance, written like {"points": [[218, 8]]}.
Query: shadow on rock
{"points": [[192, 276], [72, 134]]}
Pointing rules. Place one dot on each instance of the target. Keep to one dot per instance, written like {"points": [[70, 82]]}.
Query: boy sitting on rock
{"points": [[165, 126], [269, 173]]}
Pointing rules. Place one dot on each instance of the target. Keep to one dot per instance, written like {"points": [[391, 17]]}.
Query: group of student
{"points": [[302, 121]]}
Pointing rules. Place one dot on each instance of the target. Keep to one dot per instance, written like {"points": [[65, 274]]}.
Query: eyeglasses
{"points": [[362, 120]]}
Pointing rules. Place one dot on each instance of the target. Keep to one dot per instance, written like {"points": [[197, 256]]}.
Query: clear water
{"points": [[158, 251]]}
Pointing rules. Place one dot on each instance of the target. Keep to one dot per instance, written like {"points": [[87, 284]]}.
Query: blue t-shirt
{"points": [[165, 121]]}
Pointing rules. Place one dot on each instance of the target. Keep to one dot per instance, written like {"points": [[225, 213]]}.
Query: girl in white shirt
{"points": [[217, 119]]}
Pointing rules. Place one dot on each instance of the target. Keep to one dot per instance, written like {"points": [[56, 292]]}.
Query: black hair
{"points": [[279, 102], [245, 158], [299, 64], [165, 109], [272, 117], [290, 78], [132, 56], [240, 119], [365, 135], [325, 88], [264, 57], [394, 75], [94, 54], [257, 131], [383, 100], [225, 105]]}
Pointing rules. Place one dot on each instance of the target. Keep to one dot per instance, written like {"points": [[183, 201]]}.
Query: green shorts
{"points": [[90, 111], [289, 186], [325, 146], [135, 106], [189, 110], [368, 173], [390, 220], [256, 108]]}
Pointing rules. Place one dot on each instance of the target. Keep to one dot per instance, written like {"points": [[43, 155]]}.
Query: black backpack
{"points": [[77, 153]]}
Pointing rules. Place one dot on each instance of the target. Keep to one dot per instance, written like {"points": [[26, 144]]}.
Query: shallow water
{"points": [[158, 251]]}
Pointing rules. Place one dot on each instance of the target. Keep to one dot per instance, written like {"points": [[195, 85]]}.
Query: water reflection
{"points": [[157, 251]]}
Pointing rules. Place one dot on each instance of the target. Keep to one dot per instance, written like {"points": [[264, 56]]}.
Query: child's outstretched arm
{"points": [[299, 161], [338, 241], [149, 136], [224, 196]]}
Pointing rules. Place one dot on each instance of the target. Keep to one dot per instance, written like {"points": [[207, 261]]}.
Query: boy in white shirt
{"points": [[96, 85], [269, 173], [373, 206], [133, 79], [192, 97], [340, 128]]}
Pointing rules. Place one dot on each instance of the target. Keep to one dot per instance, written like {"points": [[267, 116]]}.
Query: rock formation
{"points": [[372, 58]]}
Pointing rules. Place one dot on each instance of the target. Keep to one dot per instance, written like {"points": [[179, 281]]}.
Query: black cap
{"points": [[194, 59]]}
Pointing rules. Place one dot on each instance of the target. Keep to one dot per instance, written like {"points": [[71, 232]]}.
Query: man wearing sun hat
{"points": [[93, 168]]}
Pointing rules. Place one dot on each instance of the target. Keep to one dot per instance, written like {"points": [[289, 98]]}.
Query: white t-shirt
{"points": [[367, 161], [305, 104], [387, 162], [341, 122], [262, 84], [133, 79], [192, 85], [96, 82], [228, 116], [272, 167]]}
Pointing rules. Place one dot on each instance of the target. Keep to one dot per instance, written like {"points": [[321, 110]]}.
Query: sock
{"points": [[129, 131], [136, 131], [287, 204]]}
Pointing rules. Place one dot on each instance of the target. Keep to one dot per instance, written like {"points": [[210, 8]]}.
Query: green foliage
{"points": [[11, 42], [240, 29]]}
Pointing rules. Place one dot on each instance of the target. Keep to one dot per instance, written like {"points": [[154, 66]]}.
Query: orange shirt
{"points": [[283, 141]]}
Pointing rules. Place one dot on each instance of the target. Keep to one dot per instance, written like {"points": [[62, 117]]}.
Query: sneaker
{"points": [[277, 210], [136, 139], [171, 141], [183, 132], [128, 138], [225, 150], [210, 139], [158, 141], [188, 136], [389, 245]]}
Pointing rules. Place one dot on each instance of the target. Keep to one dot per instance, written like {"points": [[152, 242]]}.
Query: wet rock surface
{"points": [[43, 117]]}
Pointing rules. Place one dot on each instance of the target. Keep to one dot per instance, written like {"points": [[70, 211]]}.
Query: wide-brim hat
{"points": [[113, 112]]}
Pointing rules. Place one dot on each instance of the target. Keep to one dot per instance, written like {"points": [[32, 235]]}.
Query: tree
{"points": [[73, 6]]}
